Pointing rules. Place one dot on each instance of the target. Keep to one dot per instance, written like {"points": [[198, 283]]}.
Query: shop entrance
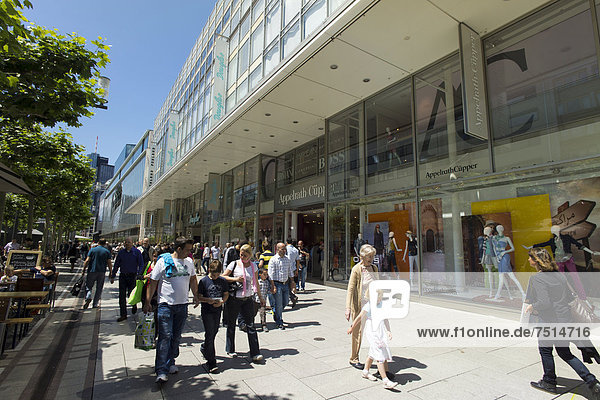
{"points": [[308, 225]]}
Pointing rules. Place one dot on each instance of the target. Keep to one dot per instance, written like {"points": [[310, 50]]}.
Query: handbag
{"points": [[136, 294], [77, 287], [581, 311]]}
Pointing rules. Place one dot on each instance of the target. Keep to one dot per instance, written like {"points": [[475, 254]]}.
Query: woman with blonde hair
{"points": [[357, 295], [548, 295], [243, 273]]}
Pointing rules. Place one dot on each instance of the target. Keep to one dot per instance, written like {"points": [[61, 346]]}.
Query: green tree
{"points": [[45, 78]]}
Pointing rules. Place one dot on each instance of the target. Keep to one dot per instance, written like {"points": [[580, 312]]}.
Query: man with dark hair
{"points": [[28, 245], [174, 275], [98, 259], [130, 261]]}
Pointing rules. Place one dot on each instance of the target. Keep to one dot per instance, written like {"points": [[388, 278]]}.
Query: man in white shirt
{"points": [[215, 251], [294, 255], [174, 275], [281, 273], [12, 245]]}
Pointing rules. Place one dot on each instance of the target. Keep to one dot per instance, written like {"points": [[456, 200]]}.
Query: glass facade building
{"points": [[402, 159]]}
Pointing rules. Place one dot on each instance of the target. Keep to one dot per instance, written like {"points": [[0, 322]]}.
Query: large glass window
{"points": [[445, 151], [273, 23], [389, 136], [314, 17], [243, 56], [343, 159], [291, 39], [245, 26], [291, 8], [232, 71], [257, 42], [544, 89], [271, 58], [255, 76], [257, 10]]}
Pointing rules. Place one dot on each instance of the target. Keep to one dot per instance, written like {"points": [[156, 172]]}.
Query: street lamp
{"points": [[104, 83]]}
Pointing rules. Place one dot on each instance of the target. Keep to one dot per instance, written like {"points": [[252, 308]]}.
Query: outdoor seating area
{"points": [[21, 305]]}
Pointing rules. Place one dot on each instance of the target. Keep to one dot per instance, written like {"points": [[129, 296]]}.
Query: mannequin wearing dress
{"points": [[504, 246]]}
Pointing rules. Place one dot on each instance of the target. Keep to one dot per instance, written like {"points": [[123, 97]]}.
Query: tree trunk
{"points": [[2, 207], [45, 237], [31, 202]]}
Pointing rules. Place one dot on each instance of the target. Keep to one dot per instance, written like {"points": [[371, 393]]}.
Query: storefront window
{"points": [[338, 253], [544, 88], [457, 257], [344, 160], [390, 158], [445, 151]]}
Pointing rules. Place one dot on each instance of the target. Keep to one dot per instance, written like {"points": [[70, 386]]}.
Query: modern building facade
{"points": [[104, 172], [127, 185], [436, 117]]}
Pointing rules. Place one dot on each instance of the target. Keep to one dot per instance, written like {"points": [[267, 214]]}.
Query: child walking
{"points": [[379, 350], [266, 287]]}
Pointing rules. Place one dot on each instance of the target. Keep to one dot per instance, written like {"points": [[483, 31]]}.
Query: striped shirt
{"points": [[280, 268]]}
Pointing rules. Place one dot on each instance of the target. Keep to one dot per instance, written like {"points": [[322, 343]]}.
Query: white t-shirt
{"points": [[215, 252], [237, 271], [206, 252], [174, 290]]}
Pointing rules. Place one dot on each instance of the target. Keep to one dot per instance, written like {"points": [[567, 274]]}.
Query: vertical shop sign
{"points": [[219, 85], [172, 127], [213, 192], [473, 83]]}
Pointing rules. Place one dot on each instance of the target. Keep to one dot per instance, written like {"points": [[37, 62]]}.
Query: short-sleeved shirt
{"points": [[99, 257], [292, 254], [236, 269], [266, 256], [280, 268], [212, 289], [215, 252], [173, 290]]}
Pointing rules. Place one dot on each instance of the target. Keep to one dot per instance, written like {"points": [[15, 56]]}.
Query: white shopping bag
{"points": [[144, 333]]}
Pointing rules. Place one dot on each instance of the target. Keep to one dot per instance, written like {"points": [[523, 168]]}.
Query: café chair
{"points": [[5, 321]]}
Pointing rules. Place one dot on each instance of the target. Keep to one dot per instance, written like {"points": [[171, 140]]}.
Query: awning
{"points": [[34, 232], [11, 182]]}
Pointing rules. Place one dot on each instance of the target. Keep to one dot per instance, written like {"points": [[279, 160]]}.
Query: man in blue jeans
{"points": [[174, 274], [282, 274], [131, 263], [97, 260]]}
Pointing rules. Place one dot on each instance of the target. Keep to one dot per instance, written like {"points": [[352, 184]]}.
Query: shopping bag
{"points": [[136, 294], [144, 333], [77, 287]]}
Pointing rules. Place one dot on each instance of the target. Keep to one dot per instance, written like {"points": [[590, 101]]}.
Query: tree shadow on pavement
{"points": [[293, 325]]}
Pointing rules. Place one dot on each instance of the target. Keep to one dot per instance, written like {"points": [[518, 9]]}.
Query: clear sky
{"points": [[150, 41]]}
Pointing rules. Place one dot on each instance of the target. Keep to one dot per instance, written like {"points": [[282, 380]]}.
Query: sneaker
{"points": [[265, 329], [367, 375], [232, 354], [173, 369], [162, 378], [281, 327], [545, 386], [122, 318], [257, 358], [133, 309], [213, 370], [387, 384], [87, 303], [243, 328]]}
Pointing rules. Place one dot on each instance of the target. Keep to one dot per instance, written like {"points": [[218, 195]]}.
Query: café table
{"points": [[20, 297]]}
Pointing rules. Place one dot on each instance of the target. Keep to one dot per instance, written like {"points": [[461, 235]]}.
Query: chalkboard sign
{"points": [[21, 259]]}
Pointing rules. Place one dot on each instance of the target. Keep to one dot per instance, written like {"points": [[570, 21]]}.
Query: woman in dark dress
{"points": [[548, 296]]}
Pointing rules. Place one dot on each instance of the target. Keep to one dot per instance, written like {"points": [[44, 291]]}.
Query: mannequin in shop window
{"points": [[358, 242], [392, 142], [489, 260], [561, 248], [503, 248], [392, 248], [412, 248]]}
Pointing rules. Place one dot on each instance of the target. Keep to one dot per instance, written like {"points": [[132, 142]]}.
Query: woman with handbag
{"points": [[549, 297], [242, 275]]}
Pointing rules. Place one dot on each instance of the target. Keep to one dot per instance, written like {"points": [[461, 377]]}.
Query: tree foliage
{"points": [[46, 77]]}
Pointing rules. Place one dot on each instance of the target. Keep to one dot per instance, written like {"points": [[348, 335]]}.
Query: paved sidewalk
{"points": [[90, 355]]}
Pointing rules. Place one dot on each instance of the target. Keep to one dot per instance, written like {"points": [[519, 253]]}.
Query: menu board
{"points": [[22, 259]]}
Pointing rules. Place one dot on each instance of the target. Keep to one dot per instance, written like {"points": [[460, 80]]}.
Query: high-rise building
{"points": [[104, 172]]}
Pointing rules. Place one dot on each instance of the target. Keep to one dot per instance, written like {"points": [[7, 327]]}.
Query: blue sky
{"points": [[150, 41]]}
